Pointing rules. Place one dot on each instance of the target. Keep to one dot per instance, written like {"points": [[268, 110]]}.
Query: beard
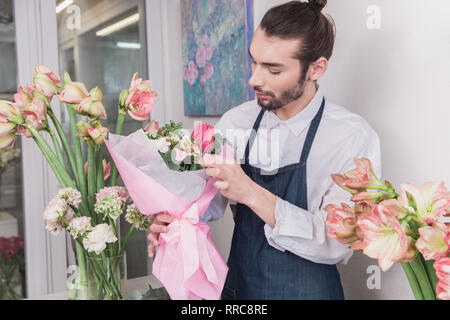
{"points": [[285, 97]]}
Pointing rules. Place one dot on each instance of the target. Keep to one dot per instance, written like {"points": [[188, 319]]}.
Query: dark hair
{"points": [[303, 21]]}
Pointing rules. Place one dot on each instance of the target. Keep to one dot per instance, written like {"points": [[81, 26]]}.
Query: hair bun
{"points": [[317, 4]]}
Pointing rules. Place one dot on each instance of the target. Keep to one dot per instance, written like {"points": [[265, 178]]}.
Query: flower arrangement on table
{"points": [[86, 206], [393, 227], [11, 268]]}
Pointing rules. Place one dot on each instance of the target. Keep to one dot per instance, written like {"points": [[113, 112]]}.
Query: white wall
{"points": [[395, 77]]}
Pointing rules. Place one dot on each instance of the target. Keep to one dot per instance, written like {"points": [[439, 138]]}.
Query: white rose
{"points": [[57, 208], [161, 144], [96, 239]]}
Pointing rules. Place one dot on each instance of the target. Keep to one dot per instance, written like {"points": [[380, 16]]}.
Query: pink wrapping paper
{"points": [[187, 263]]}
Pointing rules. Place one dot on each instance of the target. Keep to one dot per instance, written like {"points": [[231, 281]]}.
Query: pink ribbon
{"points": [[193, 243]]}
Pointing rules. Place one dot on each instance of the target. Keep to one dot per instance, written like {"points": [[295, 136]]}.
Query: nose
{"points": [[256, 79]]}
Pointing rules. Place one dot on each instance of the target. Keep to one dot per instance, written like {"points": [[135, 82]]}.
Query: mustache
{"points": [[258, 90]]}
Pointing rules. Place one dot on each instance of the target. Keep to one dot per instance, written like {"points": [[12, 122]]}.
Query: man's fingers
{"points": [[166, 218], [157, 228], [153, 238], [151, 250], [222, 185]]}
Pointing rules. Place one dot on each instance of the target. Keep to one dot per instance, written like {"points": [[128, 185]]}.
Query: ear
{"points": [[317, 69]]}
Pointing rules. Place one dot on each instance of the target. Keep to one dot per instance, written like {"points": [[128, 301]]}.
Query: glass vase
{"points": [[10, 282], [106, 277]]}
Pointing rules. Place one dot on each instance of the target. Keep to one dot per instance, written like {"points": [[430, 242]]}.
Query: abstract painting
{"points": [[216, 36]]}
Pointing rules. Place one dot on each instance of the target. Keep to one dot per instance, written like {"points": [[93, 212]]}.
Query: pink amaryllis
{"points": [[203, 135], [363, 177], [46, 80], [92, 105], [152, 128], [384, 237], [10, 120], [429, 202], [140, 99], [341, 224], [442, 268], [432, 242], [24, 96], [73, 93]]}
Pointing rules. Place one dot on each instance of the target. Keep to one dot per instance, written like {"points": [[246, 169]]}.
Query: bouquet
{"points": [[11, 268], [85, 206], [394, 227], [160, 169]]}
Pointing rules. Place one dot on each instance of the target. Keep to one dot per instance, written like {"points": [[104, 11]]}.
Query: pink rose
{"points": [[204, 136]]}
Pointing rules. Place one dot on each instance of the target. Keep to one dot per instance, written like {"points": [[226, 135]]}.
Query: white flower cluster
{"points": [[58, 215], [80, 227], [110, 206], [72, 196], [136, 218]]}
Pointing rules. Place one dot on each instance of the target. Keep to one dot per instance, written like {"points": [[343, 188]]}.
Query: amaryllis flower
{"points": [[46, 80], [152, 128], [373, 196], [432, 242], [98, 134], [442, 268], [384, 237], [97, 239], [83, 129], [429, 202], [341, 223], [79, 227], [203, 135], [92, 105], [24, 96], [339, 179], [363, 177], [73, 93], [35, 114], [140, 99], [106, 169], [10, 121], [396, 208]]}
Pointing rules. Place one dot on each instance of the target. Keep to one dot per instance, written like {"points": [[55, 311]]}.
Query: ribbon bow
{"points": [[193, 244]]}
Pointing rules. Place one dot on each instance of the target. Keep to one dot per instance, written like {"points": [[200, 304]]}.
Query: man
{"points": [[280, 248]]}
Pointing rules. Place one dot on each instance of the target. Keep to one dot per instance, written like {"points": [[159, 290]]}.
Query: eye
{"points": [[275, 72]]}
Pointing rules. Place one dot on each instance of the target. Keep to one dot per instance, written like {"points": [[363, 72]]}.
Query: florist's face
{"points": [[277, 77]]}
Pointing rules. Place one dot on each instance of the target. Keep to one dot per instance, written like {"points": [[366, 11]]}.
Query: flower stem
{"points": [[65, 143], [100, 173], [59, 153], [92, 185], [413, 281], [79, 159], [422, 278], [431, 273], [124, 244], [83, 272], [119, 128]]}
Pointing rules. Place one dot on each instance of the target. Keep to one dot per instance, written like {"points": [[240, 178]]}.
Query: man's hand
{"points": [[159, 226], [235, 185], [232, 181]]}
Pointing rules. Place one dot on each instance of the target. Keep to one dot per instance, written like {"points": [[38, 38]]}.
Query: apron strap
{"points": [[253, 135], [311, 134]]}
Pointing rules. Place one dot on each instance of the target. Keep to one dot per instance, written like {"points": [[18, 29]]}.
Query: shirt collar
{"points": [[301, 120]]}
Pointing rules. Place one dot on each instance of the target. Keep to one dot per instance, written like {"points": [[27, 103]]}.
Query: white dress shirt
{"points": [[341, 137]]}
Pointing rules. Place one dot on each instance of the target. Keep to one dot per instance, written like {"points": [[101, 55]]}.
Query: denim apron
{"points": [[258, 271]]}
